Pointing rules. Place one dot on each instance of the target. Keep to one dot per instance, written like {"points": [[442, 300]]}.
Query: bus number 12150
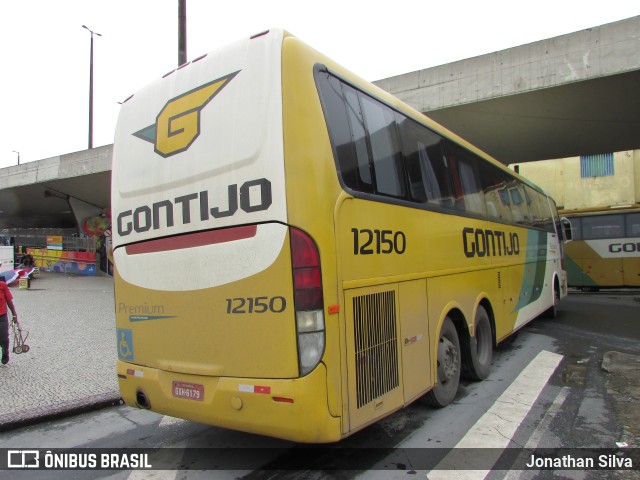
{"points": [[368, 242], [256, 305]]}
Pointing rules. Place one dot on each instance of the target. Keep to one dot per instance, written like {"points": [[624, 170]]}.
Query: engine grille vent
{"points": [[376, 345]]}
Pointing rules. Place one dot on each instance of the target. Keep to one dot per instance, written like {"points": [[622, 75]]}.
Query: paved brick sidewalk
{"points": [[70, 366]]}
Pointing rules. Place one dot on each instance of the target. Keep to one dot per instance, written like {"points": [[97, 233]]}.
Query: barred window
{"points": [[596, 165]]}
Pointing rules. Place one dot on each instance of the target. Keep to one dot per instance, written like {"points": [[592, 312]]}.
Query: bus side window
{"points": [[417, 164], [346, 132], [545, 211], [429, 181], [603, 226], [493, 182], [421, 149], [576, 228], [359, 137], [385, 147], [519, 208], [466, 180], [474, 197], [633, 225]]}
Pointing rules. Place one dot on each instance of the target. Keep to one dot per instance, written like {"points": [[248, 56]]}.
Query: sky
{"points": [[45, 51]]}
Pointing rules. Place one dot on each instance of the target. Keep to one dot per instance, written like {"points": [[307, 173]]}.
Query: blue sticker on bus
{"points": [[125, 344]]}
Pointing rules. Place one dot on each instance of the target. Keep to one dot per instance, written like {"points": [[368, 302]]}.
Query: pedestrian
{"points": [[6, 300]]}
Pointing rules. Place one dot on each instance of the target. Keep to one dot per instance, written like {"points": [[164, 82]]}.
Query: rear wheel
{"points": [[477, 363], [449, 360]]}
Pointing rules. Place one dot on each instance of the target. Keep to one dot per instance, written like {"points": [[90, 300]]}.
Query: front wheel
{"points": [[552, 311], [448, 372]]}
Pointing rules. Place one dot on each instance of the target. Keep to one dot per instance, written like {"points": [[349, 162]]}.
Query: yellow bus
{"points": [[605, 251], [299, 254]]}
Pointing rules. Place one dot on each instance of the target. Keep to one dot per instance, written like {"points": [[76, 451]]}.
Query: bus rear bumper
{"points": [[292, 409]]}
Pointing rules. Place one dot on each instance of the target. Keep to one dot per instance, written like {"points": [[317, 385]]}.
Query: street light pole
{"points": [[15, 151], [91, 87], [182, 32]]}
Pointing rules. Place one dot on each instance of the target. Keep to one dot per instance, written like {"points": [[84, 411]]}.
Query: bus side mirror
{"points": [[567, 233]]}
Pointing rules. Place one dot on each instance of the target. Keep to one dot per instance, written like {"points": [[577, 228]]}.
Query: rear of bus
{"points": [[219, 295]]}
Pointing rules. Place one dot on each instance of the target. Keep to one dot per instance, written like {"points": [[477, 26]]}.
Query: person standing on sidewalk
{"points": [[6, 300]]}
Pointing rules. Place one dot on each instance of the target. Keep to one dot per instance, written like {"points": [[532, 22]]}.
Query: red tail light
{"points": [[307, 278], [307, 285]]}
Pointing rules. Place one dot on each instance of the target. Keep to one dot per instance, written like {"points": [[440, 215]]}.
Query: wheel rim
{"points": [[447, 360]]}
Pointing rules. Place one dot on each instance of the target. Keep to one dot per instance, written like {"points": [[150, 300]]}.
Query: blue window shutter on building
{"points": [[596, 165]]}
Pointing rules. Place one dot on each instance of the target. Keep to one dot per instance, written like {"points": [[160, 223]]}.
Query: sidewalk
{"points": [[70, 366]]}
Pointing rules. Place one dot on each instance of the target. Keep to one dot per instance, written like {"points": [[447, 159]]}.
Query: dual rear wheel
{"points": [[475, 363]]}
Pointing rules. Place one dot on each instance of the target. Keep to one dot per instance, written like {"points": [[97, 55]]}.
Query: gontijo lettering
{"points": [[628, 247], [489, 243], [254, 196]]}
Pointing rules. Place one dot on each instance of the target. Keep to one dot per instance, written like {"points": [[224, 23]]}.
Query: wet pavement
{"points": [[599, 336], [70, 365]]}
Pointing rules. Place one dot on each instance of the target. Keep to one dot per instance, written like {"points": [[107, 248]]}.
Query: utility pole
{"points": [[182, 32], [91, 87]]}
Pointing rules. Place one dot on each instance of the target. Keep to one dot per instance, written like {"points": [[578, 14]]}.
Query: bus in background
{"points": [[605, 251], [299, 254]]}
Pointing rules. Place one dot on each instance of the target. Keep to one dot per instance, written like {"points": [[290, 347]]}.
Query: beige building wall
{"points": [[562, 180]]}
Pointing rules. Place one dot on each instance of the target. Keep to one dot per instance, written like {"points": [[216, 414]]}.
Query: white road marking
{"points": [[172, 455], [536, 436], [495, 429]]}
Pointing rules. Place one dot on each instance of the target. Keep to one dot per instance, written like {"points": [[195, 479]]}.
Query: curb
{"points": [[25, 418]]}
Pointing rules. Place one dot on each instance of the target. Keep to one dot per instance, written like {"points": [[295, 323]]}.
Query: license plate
{"points": [[190, 391]]}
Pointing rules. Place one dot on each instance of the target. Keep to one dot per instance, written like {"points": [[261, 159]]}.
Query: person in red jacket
{"points": [[6, 300]]}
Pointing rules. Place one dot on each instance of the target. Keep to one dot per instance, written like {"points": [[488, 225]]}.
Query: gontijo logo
{"points": [[178, 124]]}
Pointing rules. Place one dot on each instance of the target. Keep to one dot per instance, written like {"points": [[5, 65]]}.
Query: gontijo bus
{"points": [[605, 251], [299, 254]]}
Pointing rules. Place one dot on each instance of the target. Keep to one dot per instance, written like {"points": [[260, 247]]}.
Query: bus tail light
{"points": [[309, 304]]}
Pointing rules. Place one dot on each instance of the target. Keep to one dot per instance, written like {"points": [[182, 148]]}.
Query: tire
{"points": [[449, 366], [477, 364], [552, 311]]}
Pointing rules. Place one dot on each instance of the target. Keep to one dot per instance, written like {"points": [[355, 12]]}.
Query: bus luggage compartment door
{"points": [[373, 353]]}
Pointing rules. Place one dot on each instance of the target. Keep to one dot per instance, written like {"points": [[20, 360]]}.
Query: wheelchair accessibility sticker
{"points": [[125, 344]]}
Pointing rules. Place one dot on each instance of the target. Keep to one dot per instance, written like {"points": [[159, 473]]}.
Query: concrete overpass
{"points": [[57, 192], [565, 96]]}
